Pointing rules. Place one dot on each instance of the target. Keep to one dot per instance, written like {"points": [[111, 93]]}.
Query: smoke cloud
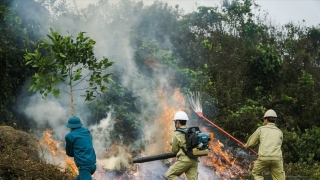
{"points": [[110, 26], [113, 42]]}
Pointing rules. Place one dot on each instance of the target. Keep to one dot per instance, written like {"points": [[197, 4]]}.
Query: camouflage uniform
{"points": [[184, 164], [270, 154]]}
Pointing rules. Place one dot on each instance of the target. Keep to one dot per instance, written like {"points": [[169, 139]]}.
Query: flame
{"points": [[56, 151], [168, 110], [222, 162], [219, 163], [71, 165], [50, 143]]}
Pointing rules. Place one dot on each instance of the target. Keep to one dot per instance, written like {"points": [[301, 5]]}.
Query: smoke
{"points": [[117, 157], [47, 113], [116, 162], [187, 6], [110, 26], [43, 111], [101, 133], [158, 99]]}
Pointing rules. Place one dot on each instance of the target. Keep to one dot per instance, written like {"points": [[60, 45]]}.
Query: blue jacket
{"points": [[79, 145]]}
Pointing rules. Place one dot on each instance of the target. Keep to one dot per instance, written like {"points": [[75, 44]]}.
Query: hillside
{"points": [[19, 154]]}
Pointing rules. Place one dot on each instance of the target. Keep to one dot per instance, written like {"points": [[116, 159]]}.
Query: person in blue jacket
{"points": [[79, 145]]}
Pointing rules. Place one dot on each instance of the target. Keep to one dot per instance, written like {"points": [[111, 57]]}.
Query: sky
{"points": [[280, 11], [284, 11]]}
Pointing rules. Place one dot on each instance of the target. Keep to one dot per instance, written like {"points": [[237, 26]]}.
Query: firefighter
{"points": [[269, 155], [79, 145], [184, 164]]}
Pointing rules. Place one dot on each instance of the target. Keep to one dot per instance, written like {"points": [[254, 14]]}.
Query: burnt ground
{"points": [[20, 158]]}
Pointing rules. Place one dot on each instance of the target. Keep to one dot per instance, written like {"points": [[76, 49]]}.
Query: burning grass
{"points": [[19, 152], [20, 159]]}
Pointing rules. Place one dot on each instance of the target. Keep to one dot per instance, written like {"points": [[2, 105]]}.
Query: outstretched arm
{"points": [[253, 139]]}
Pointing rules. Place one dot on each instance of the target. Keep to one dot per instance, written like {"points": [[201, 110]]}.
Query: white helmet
{"points": [[270, 113], [180, 115]]}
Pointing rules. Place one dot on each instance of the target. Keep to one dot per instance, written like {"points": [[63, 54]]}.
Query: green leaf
{"points": [[62, 55], [77, 76], [29, 62], [32, 88]]}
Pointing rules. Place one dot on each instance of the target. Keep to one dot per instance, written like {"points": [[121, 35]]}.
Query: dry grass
{"points": [[20, 159]]}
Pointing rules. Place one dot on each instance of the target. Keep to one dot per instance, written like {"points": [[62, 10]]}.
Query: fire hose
{"points": [[171, 155], [201, 115]]}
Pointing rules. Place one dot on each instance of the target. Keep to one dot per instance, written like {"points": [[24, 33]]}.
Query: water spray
{"points": [[194, 100]]}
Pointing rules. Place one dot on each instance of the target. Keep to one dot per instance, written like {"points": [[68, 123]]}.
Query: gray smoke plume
{"points": [[110, 25], [112, 36]]}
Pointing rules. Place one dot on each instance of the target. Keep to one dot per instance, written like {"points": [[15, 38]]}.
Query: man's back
{"points": [[79, 145], [270, 141]]}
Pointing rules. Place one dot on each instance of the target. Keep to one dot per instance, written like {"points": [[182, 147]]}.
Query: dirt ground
{"points": [[20, 158]]}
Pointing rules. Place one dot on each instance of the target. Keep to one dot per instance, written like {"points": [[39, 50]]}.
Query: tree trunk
{"points": [[71, 101]]}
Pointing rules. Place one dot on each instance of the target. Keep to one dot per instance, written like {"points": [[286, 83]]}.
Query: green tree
{"points": [[15, 30], [66, 59]]}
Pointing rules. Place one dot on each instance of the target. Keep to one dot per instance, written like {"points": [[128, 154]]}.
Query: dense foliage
{"points": [[15, 31], [241, 61]]}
